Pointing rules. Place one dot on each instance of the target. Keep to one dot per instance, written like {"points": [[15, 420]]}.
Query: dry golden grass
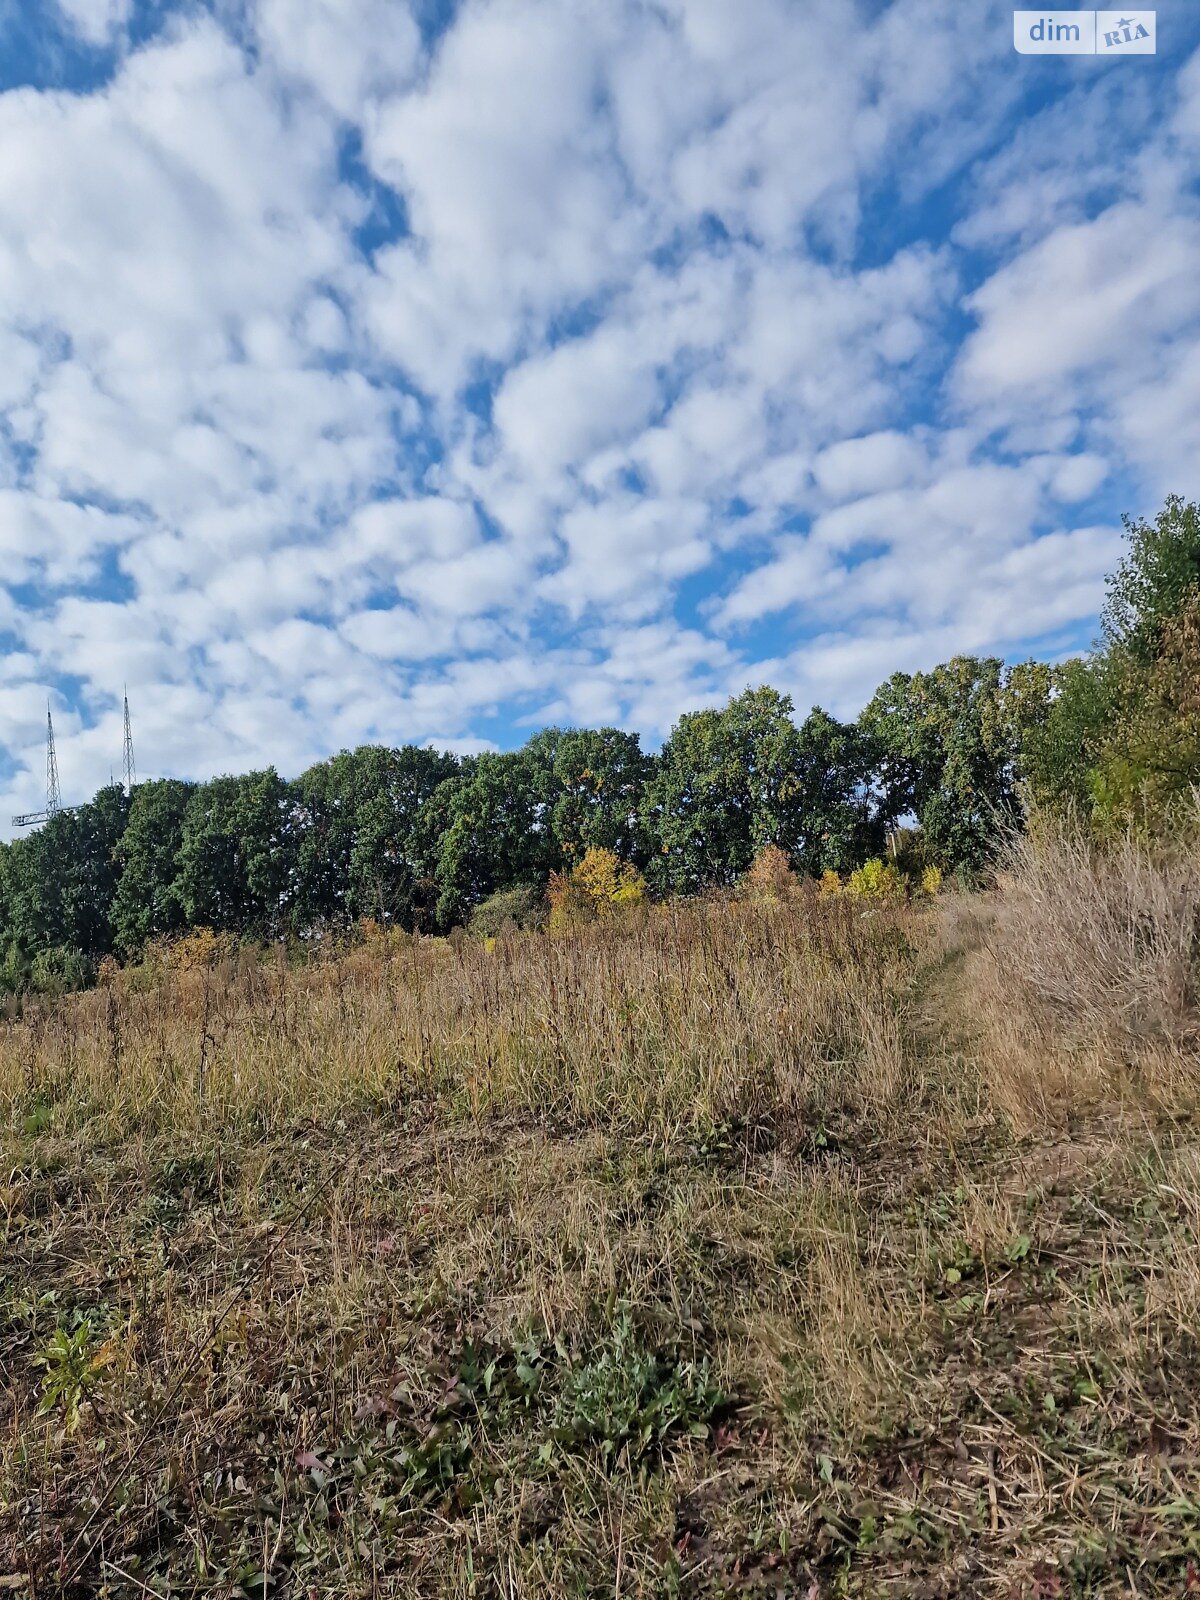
{"points": [[715, 1250], [1087, 980], [663, 1018]]}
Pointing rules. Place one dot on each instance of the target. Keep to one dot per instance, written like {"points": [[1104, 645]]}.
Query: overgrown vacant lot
{"points": [[802, 1249]]}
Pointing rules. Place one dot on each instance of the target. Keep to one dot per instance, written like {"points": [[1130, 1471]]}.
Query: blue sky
{"points": [[384, 372]]}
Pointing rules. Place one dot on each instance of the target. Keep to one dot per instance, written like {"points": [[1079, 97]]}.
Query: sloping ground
{"points": [[405, 1350]]}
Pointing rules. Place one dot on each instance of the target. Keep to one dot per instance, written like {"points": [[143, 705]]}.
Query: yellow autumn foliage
{"points": [[876, 880], [599, 885]]}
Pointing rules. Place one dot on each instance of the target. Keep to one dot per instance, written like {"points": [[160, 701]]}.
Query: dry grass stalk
{"points": [[779, 1179], [669, 1017], [1088, 987]]}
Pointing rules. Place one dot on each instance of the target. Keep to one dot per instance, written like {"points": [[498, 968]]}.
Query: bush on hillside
{"points": [[1149, 763], [60, 971], [523, 906], [599, 886], [876, 880], [770, 879], [200, 951], [14, 969]]}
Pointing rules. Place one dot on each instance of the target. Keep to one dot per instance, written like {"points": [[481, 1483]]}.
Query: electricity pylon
{"points": [[30, 819], [130, 769]]}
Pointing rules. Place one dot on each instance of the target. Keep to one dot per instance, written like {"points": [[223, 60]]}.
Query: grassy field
{"points": [[808, 1249]]}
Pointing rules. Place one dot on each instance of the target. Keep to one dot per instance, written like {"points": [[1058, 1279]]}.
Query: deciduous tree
{"points": [[725, 785], [145, 906]]}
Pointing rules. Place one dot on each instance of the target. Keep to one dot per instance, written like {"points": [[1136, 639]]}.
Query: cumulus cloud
{"points": [[868, 464], [1090, 333], [368, 375], [98, 22], [351, 52], [1078, 300]]}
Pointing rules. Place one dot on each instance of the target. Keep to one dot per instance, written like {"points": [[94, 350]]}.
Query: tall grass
{"points": [[690, 1014], [1092, 986], [567, 1311]]}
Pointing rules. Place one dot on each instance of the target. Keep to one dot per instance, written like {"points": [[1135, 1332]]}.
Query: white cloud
{"points": [[1076, 477], [516, 204], [1092, 330], [402, 633], [563, 406], [1157, 419], [869, 464], [961, 548], [349, 52], [55, 541], [484, 579], [97, 21], [653, 384], [624, 555], [1088, 294]]}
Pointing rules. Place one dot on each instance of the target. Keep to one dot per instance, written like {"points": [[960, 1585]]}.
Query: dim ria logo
{"points": [[1084, 33]]}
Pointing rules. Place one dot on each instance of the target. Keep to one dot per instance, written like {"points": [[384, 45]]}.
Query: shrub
{"points": [[1106, 935], [523, 906], [770, 879], [200, 950], [1149, 763], [60, 971], [908, 852], [369, 935], [830, 882], [600, 885], [1093, 973], [570, 902], [931, 880], [14, 970], [876, 880]]}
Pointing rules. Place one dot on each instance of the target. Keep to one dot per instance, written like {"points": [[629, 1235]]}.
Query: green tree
{"points": [[61, 879], [145, 905], [210, 882], [1148, 761], [236, 860], [429, 829], [839, 819], [1158, 574], [947, 755], [1059, 751], [6, 903], [39, 869], [13, 960], [601, 775], [98, 828], [356, 821], [494, 827], [1117, 742], [724, 787]]}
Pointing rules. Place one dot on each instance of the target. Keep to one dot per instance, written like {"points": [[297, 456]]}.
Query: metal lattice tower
{"points": [[31, 819], [53, 795], [129, 766]]}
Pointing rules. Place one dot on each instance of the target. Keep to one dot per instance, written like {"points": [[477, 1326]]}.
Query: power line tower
{"points": [[53, 796], [130, 767], [30, 819]]}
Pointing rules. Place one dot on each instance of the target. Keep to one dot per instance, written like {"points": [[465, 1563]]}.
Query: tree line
{"points": [[417, 838]]}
